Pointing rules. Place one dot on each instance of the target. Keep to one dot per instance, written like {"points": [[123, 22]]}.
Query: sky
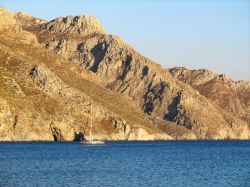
{"points": [[211, 34]]}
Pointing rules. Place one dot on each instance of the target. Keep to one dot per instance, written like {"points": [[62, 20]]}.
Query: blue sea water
{"points": [[173, 163]]}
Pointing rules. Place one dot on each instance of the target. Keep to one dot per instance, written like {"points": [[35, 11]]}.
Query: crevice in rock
{"points": [[126, 66], [79, 136], [98, 52], [15, 122], [56, 133], [173, 108], [145, 70], [153, 95], [176, 113]]}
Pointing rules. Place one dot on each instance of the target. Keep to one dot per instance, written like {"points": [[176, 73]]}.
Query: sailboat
{"points": [[91, 140]]}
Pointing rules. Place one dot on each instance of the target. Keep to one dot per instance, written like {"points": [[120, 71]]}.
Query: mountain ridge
{"points": [[176, 109], [228, 91]]}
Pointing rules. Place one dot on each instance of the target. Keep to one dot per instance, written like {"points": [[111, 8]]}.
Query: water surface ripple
{"points": [[173, 163]]}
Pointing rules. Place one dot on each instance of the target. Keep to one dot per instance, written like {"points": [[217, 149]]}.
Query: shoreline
{"points": [[134, 141]]}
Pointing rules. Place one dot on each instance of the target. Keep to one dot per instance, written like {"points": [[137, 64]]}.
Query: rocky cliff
{"points": [[43, 97], [49, 84], [232, 96]]}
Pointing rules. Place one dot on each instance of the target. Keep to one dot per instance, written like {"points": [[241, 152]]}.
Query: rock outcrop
{"points": [[73, 63], [82, 25], [10, 24], [232, 96]]}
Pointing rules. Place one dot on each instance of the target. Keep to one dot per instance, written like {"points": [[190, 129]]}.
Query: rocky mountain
{"points": [[49, 82], [232, 96], [44, 97]]}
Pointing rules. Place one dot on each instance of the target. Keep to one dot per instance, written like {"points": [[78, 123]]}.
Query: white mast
{"points": [[91, 126], [91, 140]]}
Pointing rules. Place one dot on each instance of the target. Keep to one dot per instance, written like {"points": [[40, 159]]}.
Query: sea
{"points": [[167, 163]]}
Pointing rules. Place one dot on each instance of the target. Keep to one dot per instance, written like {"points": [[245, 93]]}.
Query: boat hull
{"points": [[93, 142]]}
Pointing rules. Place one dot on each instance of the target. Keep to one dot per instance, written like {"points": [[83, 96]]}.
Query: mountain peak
{"points": [[82, 25]]}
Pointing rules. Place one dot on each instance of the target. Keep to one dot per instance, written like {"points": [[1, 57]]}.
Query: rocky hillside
{"points": [[48, 85], [232, 96], [43, 97]]}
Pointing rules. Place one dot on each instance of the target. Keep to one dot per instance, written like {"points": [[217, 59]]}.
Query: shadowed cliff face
{"points": [[44, 97], [153, 89], [134, 98], [42, 101], [232, 96]]}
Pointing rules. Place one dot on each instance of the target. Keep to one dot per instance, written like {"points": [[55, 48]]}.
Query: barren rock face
{"points": [[47, 101], [25, 20], [10, 24], [232, 96], [83, 25], [120, 68], [74, 64]]}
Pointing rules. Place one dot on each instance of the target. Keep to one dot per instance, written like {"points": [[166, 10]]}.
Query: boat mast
{"points": [[91, 126]]}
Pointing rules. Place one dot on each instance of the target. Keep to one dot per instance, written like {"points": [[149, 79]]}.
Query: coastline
{"points": [[131, 141]]}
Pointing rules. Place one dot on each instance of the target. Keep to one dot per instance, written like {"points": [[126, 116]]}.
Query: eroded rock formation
{"points": [[52, 81], [232, 96]]}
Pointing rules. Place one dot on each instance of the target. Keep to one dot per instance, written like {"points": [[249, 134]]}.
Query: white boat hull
{"points": [[94, 142]]}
